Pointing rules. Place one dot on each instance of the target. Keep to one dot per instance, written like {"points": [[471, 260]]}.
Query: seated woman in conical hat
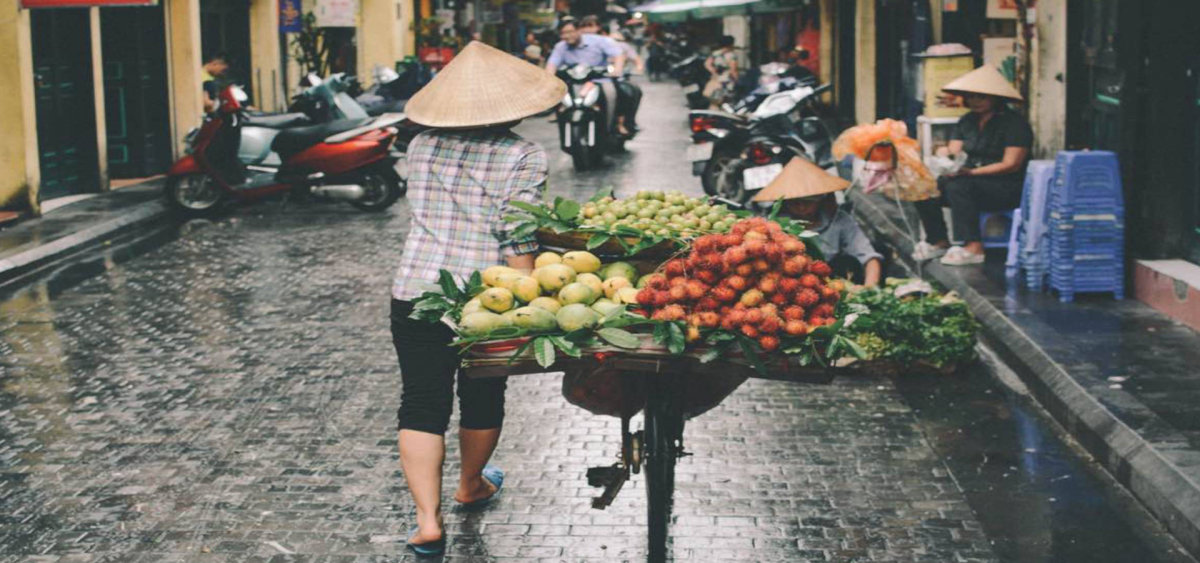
{"points": [[464, 175], [996, 141], [808, 195]]}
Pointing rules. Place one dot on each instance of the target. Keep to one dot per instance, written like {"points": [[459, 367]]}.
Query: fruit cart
{"points": [[668, 388]]}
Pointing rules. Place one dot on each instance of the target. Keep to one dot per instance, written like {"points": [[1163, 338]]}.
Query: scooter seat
{"points": [[278, 120], [292, 141]]}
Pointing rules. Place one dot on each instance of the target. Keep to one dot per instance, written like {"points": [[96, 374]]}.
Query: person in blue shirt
{"points": [[577, 48]]}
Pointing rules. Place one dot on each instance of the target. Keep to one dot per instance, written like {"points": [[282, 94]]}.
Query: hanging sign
{"points": [[84, 3], [290, 17], [337, 13]]}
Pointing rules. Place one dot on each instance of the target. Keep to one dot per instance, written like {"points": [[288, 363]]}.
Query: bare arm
{"points": [[708, 64], [1014, 157], [955, 146], [872, 272], [619, 65], [522, 263], [733, 69]]}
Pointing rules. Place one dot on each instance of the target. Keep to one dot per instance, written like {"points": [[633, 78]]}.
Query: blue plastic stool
{"points": [[1001, 240]]}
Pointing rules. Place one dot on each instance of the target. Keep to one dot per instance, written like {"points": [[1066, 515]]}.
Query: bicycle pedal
{"points": [[602, 476]]}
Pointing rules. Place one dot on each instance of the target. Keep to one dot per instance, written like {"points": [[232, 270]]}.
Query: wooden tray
{"points": [[577, 240]]}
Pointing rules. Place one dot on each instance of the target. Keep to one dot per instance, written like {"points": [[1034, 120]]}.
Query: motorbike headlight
{"points": [[568, 101], [590, 98]]}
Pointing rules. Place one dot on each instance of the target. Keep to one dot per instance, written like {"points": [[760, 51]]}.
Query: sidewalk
{"points": [[1120, 376], [34, 244]]}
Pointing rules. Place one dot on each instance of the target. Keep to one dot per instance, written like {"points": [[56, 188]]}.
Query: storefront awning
{"points": [[681, 10]]}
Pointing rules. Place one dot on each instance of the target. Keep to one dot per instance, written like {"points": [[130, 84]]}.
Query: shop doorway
{"points": [[135, 91], [1134, 91], [225, 28], [65, 103]]}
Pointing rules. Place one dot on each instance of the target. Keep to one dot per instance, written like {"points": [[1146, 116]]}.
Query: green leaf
{"points": [[597, 240], [448, 285], [521, 350], [535, 210], [524, 230], [775, 209], [569, 348], [752, 355], [613, 314], [618, 337], [543, 351], [711, 354], [506, 332], [567, 210], [559, 226], [676, 342], [628, 231], [601, 194], [855, 349], [515, 218]]}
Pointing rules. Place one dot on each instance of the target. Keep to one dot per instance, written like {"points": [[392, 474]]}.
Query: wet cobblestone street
{"points": [[230, 396]]}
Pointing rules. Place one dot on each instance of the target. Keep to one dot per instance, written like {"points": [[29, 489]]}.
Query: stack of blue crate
{"points": [[1031, 253], [1087, 225]]}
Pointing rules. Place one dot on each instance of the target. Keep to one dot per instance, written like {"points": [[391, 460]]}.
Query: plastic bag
{"points": [[942, 165], [887, 141]]}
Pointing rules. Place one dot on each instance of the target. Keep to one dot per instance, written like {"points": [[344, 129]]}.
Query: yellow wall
{"points": [[18, 146], [381, 36], [864, 62], [183, 68], [98, 99], [1048, 88], [828, 29], [267, 76]]}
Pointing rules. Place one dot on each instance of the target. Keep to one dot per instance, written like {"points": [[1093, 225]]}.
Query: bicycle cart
{"points": [[669, 388]]}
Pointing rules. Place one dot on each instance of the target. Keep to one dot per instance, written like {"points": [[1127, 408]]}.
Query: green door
{"points": [[66, 119], [135, 91]]}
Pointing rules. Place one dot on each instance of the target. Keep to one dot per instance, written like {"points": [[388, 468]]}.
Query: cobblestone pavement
{"points": [[231, 397]]}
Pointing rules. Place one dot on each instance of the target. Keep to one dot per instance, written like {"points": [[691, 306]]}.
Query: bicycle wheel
{"points": [[664, 430]]}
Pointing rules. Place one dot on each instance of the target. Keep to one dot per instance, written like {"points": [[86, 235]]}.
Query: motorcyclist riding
{"points": [[577, 48]]}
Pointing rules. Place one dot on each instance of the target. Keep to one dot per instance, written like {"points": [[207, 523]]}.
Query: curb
{"points": [[23, 263], [1165, 480]]}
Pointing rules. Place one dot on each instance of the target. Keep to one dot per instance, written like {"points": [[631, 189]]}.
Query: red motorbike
{"points": [[349, 160]]}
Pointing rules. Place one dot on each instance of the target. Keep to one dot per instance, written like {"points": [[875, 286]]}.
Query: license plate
{"points": [[703, 151], [758, 177], [691, 89]]}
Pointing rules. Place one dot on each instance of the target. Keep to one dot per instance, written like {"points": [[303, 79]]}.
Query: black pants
{"points": [[629, 97], [967, 197], [427, 367]]}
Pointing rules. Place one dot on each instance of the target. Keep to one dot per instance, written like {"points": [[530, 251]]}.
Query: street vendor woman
{"points": [[808, 195], [996, 141], [464, 175]]}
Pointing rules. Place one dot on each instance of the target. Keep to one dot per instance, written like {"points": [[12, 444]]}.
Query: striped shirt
{"points": [[460, 185]]}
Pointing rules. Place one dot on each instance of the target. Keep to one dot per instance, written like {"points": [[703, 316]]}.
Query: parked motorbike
{"points": [[737, 155], [693, 76], [348, 160], [391, 90], [584, 131], [772, 79]]}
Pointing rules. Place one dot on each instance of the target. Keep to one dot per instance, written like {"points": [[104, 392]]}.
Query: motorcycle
{"points": [[260, 129], [737, 155], [391, 90], [693, 76], [584, 131], [348, 160]]}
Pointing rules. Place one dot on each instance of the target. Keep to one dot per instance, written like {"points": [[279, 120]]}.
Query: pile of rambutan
{"points": [[757, 280]]}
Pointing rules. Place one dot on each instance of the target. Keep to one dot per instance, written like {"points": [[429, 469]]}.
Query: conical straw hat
{"points": [[801, 178], [983, 80], [484, 86]]}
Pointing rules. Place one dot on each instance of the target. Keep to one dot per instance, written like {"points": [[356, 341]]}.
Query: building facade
{"points": [[108, 90]]}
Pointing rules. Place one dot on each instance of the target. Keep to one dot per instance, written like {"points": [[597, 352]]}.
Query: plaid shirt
{"points": [[459, 187]]}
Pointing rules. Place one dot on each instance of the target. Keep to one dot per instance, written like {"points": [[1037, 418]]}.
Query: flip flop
{"points": [[493, 475], [436, 547]]}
